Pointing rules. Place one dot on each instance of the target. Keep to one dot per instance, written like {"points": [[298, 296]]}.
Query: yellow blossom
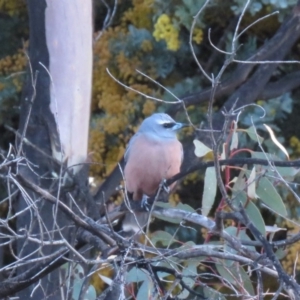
{"points": [[165, 30], [295, 145], [198, 35]]}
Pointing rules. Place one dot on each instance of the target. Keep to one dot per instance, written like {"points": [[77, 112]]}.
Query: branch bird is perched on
{"points": [[153, 154]]}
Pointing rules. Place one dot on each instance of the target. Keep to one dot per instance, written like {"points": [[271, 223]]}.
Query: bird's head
{"points": [[161, 125]]}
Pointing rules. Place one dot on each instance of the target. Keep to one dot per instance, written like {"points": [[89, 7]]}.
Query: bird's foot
{"points": [[145, 204], [165, 187]]}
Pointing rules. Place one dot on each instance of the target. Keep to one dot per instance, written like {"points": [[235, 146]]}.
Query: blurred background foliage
{"points": [[152, 36], [13, 37]]}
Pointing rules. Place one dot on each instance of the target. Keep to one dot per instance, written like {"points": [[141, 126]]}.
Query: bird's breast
{"points": [[149, 162]]}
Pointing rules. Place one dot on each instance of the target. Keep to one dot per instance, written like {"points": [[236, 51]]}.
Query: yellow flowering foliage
{"points": [[165, 30], [13, 7], [107, 270], [148, 107], [127, 67], [119, 106], [174, 199], [140, 14], [115, 106], [291, 260], [198, 35], [193, 177], [13, 65], [97, 149], [295, 145]]}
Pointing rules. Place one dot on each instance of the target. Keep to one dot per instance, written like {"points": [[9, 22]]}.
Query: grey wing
{"points": [[130, 144], [182, 153]]}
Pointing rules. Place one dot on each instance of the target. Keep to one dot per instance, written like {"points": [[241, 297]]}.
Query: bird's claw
{"points": [[145, 204], [165, 186]]}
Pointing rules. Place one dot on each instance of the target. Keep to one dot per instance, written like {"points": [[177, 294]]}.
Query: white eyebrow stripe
{"points": [[163, 122]]}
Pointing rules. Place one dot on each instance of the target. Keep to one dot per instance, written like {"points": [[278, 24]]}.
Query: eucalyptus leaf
{"points": [[210, 190], [251, 209], [184, 294], [136, 275], [189, 273], [90, 293], [241, 235], [212, 294], [145, 290], [285, 172], [268, 194], [281, 253], [251, 131], [237, 276], [163, 237]]}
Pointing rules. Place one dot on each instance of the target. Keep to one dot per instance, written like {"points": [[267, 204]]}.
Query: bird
{"points": [[153, 154]]}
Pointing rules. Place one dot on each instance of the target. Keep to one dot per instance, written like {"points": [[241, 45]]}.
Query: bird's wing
{"points": [[182, 153], [131, 142]]}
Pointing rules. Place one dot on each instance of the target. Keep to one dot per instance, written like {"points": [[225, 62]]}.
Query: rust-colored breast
{"points": [[149, 162]]}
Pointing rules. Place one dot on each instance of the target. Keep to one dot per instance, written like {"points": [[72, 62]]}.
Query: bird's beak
{"points": [[178, 126]]}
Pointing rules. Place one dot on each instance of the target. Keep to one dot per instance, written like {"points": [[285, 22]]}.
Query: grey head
{"points": [[160, 125]]}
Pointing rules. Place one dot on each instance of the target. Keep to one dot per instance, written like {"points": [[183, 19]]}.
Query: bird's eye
{"points": [[168, 125]]}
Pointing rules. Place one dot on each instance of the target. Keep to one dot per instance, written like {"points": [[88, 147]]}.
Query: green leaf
{"points": [[255, 217], [285, 172], [240, 181], [188, 245], [185, 207], [189, 274], [184, 294], [241, 235], [281, 253], [252, 211], [237, 276], [145, 290], [181, 206], [90, 293], [251, 131], [79, 279], [268, 194], [136, 275], [171, 263], [163, 237], [210, 190], [212, 294]]}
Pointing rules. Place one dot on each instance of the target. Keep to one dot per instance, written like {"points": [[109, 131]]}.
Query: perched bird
{"points": [[153, 154]]}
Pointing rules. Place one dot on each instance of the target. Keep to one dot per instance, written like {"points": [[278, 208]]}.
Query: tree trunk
{"points": [[55, 118]]}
